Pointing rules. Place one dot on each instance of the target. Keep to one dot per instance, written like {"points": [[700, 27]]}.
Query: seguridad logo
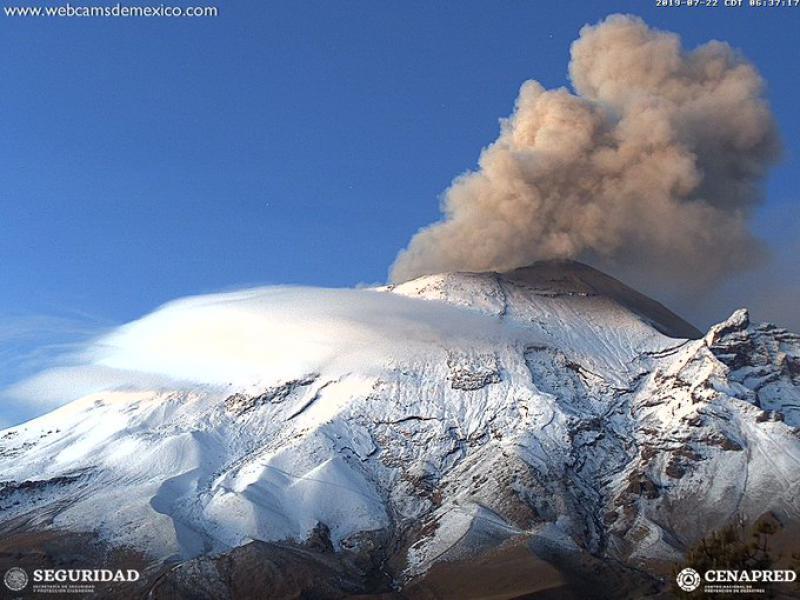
{"points": [[85, 575], [15, 579]]}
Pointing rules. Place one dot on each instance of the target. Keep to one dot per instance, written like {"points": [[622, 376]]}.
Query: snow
{"points": [[460, 401]]}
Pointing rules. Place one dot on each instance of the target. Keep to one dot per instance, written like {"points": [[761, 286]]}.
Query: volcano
{"points": [[547, 432]]}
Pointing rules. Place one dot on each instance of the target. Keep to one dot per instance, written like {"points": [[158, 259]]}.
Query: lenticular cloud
{"points": [[256, 336], [654, 162]]}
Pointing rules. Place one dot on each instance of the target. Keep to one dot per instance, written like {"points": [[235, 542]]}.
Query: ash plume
{"points": [[653, 165]]}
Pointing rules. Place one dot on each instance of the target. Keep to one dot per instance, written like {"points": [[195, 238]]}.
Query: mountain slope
{"points": [[471, 411]]}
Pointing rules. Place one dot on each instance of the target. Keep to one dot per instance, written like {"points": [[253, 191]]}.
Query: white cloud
{"points": [[250, 337]]}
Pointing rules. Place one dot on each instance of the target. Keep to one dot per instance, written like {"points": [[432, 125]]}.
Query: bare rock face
{"points": [[764, 359], [238, 404], [587, 435], [472, 373], [261, 570]]}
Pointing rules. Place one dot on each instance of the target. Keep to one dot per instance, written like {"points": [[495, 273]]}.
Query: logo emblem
{"points": [[688, 580], [15, 579]]}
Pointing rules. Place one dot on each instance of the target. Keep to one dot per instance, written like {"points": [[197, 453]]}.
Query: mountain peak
{"points": [[568, 281], [573, 277], [370, 438]]}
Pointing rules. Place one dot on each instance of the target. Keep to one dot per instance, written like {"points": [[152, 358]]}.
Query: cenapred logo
{"points": [[729, 581], [688, 580], [15, 579]]}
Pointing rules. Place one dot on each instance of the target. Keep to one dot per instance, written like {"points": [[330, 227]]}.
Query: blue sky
{"points": [[296, 142]]}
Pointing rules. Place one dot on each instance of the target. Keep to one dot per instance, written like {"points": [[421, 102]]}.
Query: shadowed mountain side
{"points": [[572, 277]]}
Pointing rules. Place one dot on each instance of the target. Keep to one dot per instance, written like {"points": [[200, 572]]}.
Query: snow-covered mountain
{"points": [[369, 440]]}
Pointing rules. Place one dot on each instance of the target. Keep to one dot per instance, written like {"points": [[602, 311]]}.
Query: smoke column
{"points": [[653, 165]]}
